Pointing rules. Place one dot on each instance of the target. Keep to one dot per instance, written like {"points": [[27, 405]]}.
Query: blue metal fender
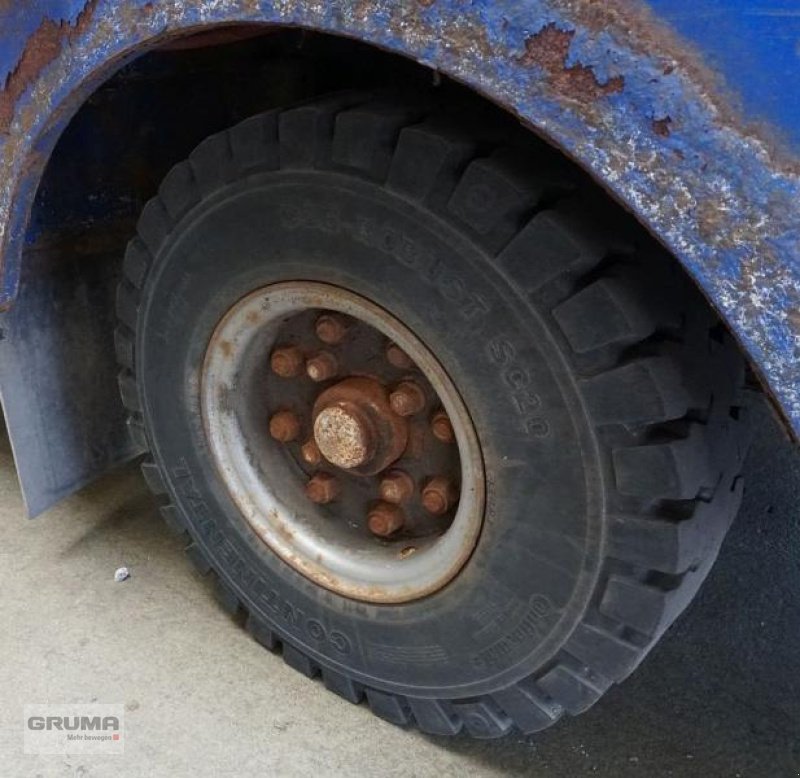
{"points": [[610, 83]]}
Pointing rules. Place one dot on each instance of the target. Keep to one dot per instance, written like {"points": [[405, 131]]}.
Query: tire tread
{"points": [[554, 243]]}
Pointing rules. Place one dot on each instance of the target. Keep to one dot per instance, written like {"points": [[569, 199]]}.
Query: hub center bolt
{"points": [[442, 428], [287, 362], [397, 357], [407, 399], [330, 329], [284, 426], [439, 495], [322, 367], [397, 487], [322, 489], [310, 452], [342, 436], [355, 427], [385, 519]]}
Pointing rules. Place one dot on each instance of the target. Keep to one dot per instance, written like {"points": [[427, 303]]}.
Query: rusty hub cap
{"points": [[356, 428], [343, 436], [343, 442]]}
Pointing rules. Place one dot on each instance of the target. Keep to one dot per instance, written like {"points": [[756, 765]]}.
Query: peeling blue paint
{"points": [[756, 45], [719, 196], [19, 21]]}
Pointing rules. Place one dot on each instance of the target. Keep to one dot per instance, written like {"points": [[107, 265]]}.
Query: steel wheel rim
{"points": [[386, 572]]}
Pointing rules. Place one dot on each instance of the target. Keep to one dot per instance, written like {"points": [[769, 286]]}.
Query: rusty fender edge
{"points": [[605, 81]]}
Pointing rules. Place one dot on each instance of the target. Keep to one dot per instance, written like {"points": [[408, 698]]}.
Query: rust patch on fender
{"points": [[549, 49], [661, 126], [41, 49], [637, 25]]}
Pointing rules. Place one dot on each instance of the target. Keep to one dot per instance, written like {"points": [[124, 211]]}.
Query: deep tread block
{"points": [[127, 305], [427, 160], [212, 163], [226, 597], [198, 559], [483, 719], [254, 143], [365, 137], [647, 391], [305, 133], [154, 225], [123, 347], [530, 710], [262, 633], [340, 684], [570, 689], [435, 717], [495, 196], [606, 654], [637, 605], [136, 262], [129, 391], [179, 191], [554, 243], [299, 661], [652, 544], [173, 519], [607, 312], [675, 470], [137, 433], [389, 707], [154, 479]]}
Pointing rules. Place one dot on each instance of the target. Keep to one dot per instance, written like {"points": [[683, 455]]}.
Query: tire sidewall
{"points": [[532, 573]]}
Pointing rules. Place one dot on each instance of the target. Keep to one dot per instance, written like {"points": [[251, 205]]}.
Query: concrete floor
{"points": [[719, 697]]}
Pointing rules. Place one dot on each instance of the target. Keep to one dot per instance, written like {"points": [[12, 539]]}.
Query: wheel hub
{"points": [[342, 442], [355, 427], [343, 436]]}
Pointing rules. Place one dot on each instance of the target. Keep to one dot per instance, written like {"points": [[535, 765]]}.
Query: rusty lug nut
{"points": [[322, 367], [442, 428], [330, 328], [385, 519], [407, 399], [310, 453], [286, 362], [397, 357], [397, 487], [284, 426], [439, 495], [322, 488]]}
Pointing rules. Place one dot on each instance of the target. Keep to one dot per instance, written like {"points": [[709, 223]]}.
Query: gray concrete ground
{"points": [[719, 697]]}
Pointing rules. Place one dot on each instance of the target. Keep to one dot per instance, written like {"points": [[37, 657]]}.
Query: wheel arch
{"points": [[611, 87]]}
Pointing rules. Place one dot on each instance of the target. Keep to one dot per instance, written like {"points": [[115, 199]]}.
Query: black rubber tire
{"points": [[606, 394]]}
